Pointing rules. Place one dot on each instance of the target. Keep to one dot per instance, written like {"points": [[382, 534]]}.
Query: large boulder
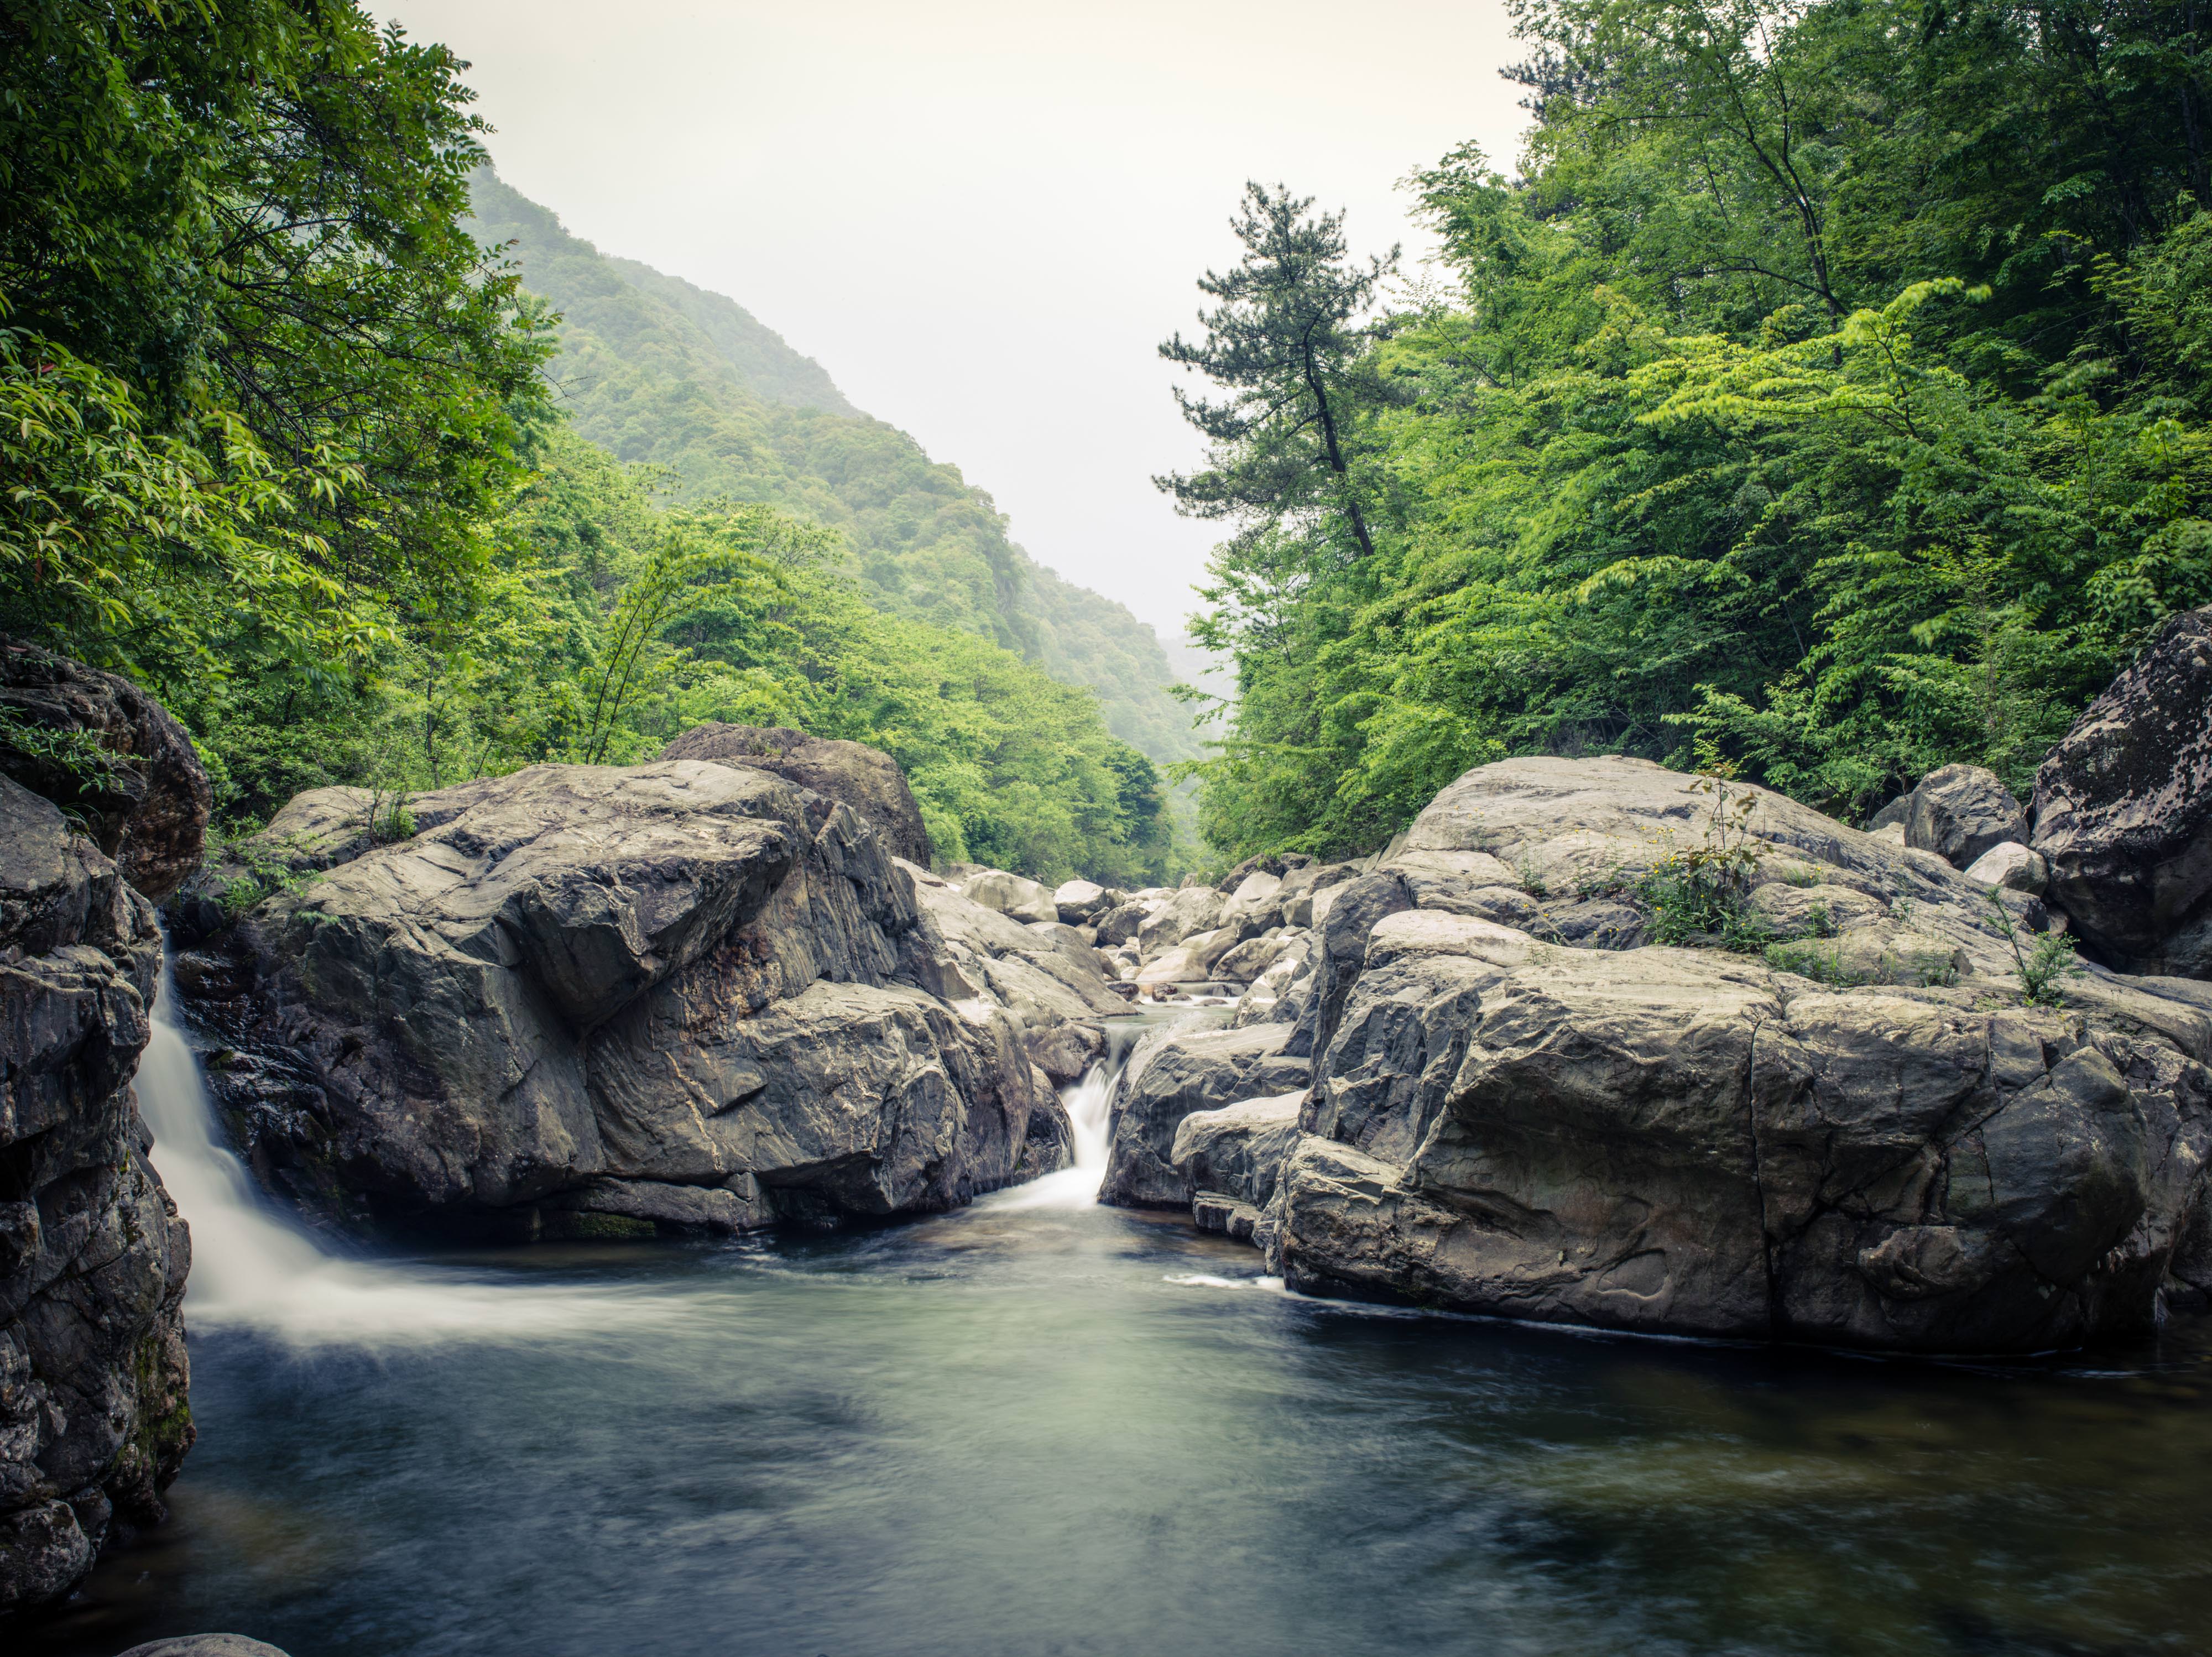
{"points": [[1961, 812], [575, 984], [2124, 810], [1866, 1137], [96, 745], [1193, 909], [866, 779], [1016, 897], [94, 1422], [1190, 1070]]}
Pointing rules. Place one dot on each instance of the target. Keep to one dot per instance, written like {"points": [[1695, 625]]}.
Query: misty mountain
{"points": [[660, 372]]}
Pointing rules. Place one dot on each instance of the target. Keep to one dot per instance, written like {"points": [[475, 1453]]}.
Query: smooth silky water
{"points": [[1040, 1426]]}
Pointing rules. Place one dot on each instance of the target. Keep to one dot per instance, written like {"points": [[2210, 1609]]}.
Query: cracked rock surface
{"points": [[93, 1423], [686, 995], [1893, 1150]]}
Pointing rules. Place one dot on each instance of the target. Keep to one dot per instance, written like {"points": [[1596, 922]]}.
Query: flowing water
{"points": [[1039, 1426]]}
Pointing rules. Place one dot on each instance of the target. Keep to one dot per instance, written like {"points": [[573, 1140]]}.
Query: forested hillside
{"points": [[1825, 399], [657, 370], [279, 445]]}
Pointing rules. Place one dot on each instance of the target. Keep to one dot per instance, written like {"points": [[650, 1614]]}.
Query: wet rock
{"points": [[1238, 1151], [93, 1423], [866, 779], [1961, 812], [1215, 1211], [2124, 810], [141, 788], [1193, 1071], [205, 1645], [740, 1204], [684, 993]]}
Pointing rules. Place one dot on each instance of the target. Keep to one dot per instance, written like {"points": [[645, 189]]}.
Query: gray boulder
{"points": [[1961, 812], [1082, 902], [684, 994], [1193, 909], [1692, 1141], [866, 779], [205, 1645], [2011, 865], [1016, 897], [1238, 1151], [1190, 1070], [147, 802], [93, 1419], [2124, 810]]}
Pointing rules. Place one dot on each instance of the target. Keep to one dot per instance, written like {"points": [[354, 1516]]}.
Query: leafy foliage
{"points": [[662, 373], [1829, 392], [276, 443]]}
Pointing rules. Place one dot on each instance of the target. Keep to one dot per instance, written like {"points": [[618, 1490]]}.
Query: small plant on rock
{"points": [[2046, 966], [1697, 895]]}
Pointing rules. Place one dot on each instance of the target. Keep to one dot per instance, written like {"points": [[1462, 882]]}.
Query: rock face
{"points": [[680, 994], [866, 779], [94, 1422], [1864, 1136], [1960, 812], [1188, 1071], [2124, 810], [145, 795]]}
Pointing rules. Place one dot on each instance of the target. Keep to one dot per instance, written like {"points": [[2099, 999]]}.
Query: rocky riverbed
{"points": [[1593, 1043]]}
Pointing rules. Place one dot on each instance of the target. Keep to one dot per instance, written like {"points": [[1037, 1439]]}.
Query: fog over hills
{"points": [[660, 371]]}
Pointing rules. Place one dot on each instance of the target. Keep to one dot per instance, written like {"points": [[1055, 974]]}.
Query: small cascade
{"points": [[252, 1266], [1090, 1101]]}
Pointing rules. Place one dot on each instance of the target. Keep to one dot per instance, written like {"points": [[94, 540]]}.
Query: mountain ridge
{"points": [[660, 371]]}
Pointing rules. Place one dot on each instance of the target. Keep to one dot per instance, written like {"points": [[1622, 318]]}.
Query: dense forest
{"points": [[659, 372], [280, 443], [1825, 399]]}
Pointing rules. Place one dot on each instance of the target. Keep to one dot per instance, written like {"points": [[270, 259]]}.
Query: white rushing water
{"points": [[252, 1266], [1090, 1110]]}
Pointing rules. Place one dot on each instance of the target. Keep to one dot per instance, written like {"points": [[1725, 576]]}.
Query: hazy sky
{"points": [[981, 218]]}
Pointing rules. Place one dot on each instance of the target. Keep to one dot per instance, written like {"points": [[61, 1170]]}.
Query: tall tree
{"points": [[1288, 344]]}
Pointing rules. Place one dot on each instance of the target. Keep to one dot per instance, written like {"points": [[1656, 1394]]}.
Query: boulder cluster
{"points": [[1878, 1108], [1593, 1042]]}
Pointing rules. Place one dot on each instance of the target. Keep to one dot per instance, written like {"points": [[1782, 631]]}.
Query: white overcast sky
{"points": [[982, 217]]}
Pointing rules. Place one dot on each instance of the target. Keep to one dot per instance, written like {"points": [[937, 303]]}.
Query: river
{"points": [[1039, 1426]]}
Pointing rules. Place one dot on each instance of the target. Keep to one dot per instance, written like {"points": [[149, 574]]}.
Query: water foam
{"points": [[252, 1267]]}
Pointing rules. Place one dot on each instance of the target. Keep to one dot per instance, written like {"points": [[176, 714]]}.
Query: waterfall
{"points": [[253, 1266], [1090, 1104]]}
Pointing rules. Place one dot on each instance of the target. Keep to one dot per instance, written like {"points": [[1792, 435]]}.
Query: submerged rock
{"points": [[684, 994], [205, 1645], [94, 1421], [2124, 810]]}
